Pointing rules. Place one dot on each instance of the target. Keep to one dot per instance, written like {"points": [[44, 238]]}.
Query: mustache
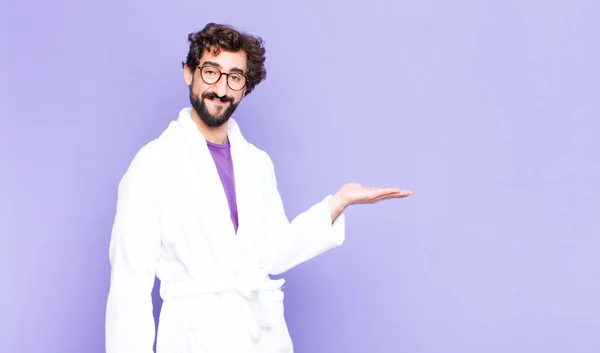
{"points": [[213, 95]]}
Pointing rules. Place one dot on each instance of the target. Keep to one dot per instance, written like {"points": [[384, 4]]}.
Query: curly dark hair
{"points": [[223, 37]]}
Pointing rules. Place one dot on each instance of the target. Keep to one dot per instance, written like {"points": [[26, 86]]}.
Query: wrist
{"points": [[337, 204]]}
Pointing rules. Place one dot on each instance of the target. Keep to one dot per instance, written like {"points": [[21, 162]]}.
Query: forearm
{"points": [[310, 234], [130, 326]]}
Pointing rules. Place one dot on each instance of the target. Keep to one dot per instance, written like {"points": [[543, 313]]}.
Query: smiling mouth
{"points": [[217, 100]]}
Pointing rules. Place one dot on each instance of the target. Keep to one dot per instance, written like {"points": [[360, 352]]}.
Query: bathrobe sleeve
{"points": [[133, 253], [308, 235]]}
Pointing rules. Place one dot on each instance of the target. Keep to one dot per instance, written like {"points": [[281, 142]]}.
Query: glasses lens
{"points": [[210, 74], [236, 81]]}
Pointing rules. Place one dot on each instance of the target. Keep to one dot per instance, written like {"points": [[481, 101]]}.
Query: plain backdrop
{"points": [[487, 110]]}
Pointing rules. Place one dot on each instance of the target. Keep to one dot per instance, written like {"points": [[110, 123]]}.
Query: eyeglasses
{"points": [[210, 74]]}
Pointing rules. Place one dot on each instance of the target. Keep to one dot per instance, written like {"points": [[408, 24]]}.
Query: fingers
{"points": [[394, 192], [391, 194], [389, 190], [371, 195]]}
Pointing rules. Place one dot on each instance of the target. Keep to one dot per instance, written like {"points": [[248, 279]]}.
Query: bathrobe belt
{"points": [[250, 301]]}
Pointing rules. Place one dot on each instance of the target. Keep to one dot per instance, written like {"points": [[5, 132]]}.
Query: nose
{"points": [[221, 86]]}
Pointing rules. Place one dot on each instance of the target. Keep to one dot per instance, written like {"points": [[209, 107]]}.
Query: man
{"points": [[199, 208]]}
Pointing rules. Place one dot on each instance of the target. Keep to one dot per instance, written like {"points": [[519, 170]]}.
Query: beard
{"points": [[202, 110]]}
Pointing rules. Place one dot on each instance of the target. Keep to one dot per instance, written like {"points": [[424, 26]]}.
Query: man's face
{"points": [[215, 103]]}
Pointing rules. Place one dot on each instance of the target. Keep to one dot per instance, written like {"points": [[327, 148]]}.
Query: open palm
{"points": [[354, 193]]}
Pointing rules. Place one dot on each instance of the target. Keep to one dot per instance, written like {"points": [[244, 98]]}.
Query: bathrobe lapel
{"points": [[230, 249]]}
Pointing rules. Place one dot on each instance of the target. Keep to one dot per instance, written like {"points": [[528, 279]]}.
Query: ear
{"points": [[188, 75]]}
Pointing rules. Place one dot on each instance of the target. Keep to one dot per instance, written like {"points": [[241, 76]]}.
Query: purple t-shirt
{"points": [[222, 157]]}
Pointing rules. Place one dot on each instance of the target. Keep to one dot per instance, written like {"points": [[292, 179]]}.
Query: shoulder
{"points": [[260, 157], [142, 166], [264, 167], [148, 158], [259, 154]]}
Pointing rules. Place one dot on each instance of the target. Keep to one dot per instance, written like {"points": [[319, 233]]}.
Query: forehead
{"points": [[225, 60]]}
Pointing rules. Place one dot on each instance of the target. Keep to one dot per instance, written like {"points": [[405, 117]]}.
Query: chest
{"points": [[200, 195]]}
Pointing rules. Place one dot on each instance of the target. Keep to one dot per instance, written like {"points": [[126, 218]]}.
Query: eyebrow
{"points": [[233, 69]]}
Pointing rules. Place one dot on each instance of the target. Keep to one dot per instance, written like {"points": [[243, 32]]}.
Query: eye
{"points": [[236, 78], [210, 71]]}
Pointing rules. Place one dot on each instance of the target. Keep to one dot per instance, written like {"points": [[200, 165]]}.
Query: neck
{"points": [[216, 135]]}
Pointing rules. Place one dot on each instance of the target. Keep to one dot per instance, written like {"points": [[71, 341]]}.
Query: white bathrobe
{"points": [[172, 221]]}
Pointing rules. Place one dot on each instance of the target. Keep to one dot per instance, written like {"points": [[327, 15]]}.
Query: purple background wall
{"points": [[488, 111]]}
